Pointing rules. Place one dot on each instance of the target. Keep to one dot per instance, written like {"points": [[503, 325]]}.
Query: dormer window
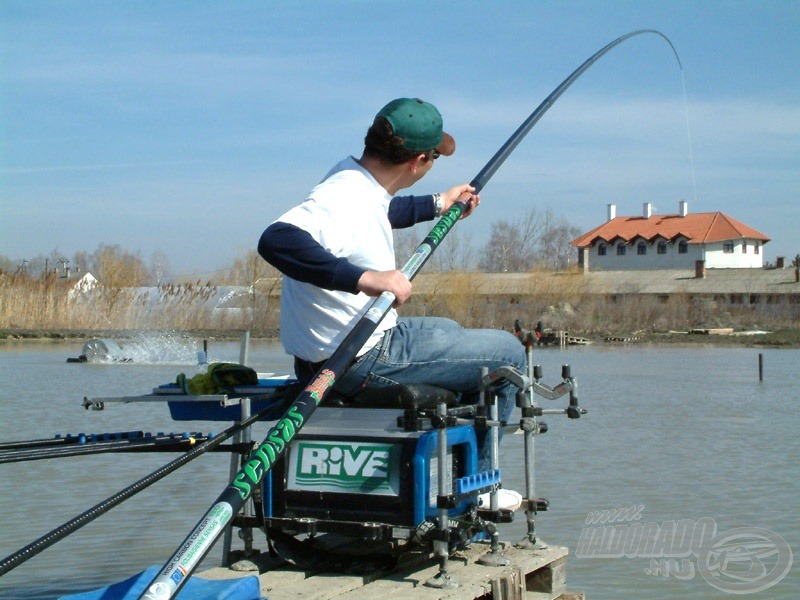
{"points": [[683, 247], [601, 250], [621, 249], [641, 248], [662, 247]]}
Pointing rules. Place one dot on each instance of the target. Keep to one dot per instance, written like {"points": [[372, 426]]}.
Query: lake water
{"points": [[686, 438]]}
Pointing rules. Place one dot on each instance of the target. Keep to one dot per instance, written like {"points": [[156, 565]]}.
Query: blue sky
{"points": [[185, 128]]}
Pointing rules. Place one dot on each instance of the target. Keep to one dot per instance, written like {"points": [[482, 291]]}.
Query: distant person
{"points": [[336, 251]]}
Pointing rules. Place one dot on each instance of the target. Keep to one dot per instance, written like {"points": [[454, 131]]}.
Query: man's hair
{"points": [[381, 143]]}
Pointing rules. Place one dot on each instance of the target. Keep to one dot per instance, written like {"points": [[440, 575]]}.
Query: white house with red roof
{"points": [[675, 241]]}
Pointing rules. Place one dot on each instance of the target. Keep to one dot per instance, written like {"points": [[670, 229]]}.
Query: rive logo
{"points": [[347, 467]]}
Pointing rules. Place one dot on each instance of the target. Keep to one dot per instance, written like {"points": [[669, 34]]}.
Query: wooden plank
{"points": [[474, 580], [540, 571]]}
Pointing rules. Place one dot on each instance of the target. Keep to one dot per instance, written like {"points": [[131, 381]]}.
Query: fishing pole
{"points": [[81, 438], [171, 443], [182, 564], [47, 540]]}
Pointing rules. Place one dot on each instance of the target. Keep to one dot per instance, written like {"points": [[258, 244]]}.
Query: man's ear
{"points": [[415, 162]]}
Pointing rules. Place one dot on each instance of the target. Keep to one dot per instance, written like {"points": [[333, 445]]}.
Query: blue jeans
{"points": [[439, 352]]}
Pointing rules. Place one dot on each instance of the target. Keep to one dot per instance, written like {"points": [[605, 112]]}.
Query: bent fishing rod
{"points": [[199, 542]]}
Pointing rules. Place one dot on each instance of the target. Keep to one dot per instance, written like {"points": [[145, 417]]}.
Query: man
{"points": [[335, 250]]}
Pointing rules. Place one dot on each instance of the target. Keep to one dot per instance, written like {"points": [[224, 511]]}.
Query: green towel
{"points": [[220, 377]]}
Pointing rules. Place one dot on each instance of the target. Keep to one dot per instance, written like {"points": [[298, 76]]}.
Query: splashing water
{"points": [[144, 348]]}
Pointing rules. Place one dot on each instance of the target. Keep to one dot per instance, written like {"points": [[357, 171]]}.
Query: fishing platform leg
{"points": [[527, 403], [441, 543], [493, 558], [229, 558]]}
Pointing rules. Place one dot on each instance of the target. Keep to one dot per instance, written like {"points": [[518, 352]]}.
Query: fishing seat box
{"points": [[351, 466]]}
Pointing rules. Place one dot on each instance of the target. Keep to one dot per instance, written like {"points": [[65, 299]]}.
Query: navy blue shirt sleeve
{"points": [[405, 211], [295, 253]]}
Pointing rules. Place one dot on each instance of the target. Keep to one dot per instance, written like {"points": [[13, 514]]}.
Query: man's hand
{"points": [[374, 283], [461, 193]]}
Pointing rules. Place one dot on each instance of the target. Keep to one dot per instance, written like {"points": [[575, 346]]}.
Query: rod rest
{"points": [[401, 396]]}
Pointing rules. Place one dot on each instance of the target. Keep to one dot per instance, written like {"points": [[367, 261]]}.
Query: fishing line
{"points": [[688, 134], [183, 562]]}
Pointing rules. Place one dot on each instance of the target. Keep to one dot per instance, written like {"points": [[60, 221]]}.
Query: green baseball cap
{"points": [[419, 124]]}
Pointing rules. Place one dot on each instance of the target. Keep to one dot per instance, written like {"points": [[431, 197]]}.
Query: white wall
{"points": [[717, 258], [713, 254]]}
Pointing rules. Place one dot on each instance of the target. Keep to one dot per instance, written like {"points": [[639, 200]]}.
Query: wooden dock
{"points": [[530, 575]]}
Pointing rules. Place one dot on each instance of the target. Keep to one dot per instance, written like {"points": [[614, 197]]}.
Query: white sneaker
{"points": [[506, 500]]}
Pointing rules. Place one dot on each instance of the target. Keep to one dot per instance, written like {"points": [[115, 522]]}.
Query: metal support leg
{"points": [[529, 428], [246, 533], [494, 558], [228, 536], [441, 543], [244, 437]]}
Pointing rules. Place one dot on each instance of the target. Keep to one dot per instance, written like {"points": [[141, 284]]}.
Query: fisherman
{"points": [[335, 250]]}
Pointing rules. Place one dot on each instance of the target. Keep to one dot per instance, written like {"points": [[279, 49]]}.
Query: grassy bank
{"points": [[787, 338]]}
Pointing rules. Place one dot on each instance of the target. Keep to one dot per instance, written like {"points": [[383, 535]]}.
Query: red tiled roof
{"points": [[697, 228]]}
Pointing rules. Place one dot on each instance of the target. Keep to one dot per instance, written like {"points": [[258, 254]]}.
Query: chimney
{"points": [[683, 208], [780, 262], [647, 210], [700, 269], [612, 211]]}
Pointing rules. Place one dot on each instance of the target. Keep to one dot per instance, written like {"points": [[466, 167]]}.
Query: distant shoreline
{"points": [[786, 338]]}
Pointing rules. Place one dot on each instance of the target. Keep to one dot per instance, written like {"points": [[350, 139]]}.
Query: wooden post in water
{"points": [[760, 366]]}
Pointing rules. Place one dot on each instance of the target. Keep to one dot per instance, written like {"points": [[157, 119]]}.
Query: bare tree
{"points": [[82, 261], [455, 253], [9, 266], [512, 245], [118, 268], [247, 269], [537, 240], [555, 251], [159, 267]]}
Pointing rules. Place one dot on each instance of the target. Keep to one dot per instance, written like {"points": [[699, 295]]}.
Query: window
{"points": [[621, 250], [727, 247], [755, 248], [744, 246], [662, 247], [641, 248], [601, 250], [683, 247]]}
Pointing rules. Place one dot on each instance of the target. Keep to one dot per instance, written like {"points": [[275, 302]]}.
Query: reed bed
{"points": [[558, 299], [27, 304]]}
